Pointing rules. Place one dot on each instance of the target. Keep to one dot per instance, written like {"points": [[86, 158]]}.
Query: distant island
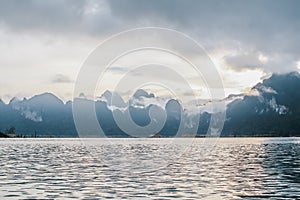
{"points": [[9, 133], [271, 109]]}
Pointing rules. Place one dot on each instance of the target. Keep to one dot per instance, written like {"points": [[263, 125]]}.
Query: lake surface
{"points": [[229, 168]]}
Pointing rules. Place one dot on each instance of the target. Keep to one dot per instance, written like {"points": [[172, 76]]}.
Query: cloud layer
{"points": [[251, 35]]}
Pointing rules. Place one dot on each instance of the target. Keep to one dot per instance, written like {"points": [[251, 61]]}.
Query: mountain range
{"points": [[271, 108]]}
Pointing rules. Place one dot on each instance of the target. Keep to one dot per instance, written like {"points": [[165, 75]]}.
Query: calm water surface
{"points": [[247, 168]]}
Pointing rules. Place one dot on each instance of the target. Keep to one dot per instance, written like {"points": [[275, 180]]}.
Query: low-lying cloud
{"points": [[60, 78]]}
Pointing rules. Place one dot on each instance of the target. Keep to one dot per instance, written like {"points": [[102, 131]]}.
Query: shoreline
{"points": [[229, 137]]}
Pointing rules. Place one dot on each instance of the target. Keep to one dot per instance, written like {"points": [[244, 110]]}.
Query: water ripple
{"points": [[246, 168]]}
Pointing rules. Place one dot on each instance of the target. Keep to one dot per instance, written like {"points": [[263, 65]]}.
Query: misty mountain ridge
{"points": [[272, 108]]}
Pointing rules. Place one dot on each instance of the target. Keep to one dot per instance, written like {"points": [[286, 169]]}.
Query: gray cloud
{"points": [[56, 16], [118, 69], [60, 78], [30, 14], [270, 27], [256, 20], [243, 61], [240, 20], [277, 63], [248, 28]]}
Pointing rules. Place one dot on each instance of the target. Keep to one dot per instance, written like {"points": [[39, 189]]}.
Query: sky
{"points": [[43, 44]]}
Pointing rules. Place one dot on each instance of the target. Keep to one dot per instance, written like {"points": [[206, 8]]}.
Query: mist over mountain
{"points": [[272, 108]]}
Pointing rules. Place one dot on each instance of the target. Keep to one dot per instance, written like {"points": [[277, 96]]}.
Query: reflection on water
{"points": [[67, 168]]}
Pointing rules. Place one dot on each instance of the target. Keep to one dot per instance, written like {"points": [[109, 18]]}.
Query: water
{"points": [[247, 168]]}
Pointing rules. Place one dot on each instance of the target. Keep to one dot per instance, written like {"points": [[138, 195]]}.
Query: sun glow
{"points": [[235, 82], [298, 65]]}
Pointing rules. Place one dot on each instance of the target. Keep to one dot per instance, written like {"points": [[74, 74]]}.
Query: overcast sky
{"points": [[44, 43]]}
